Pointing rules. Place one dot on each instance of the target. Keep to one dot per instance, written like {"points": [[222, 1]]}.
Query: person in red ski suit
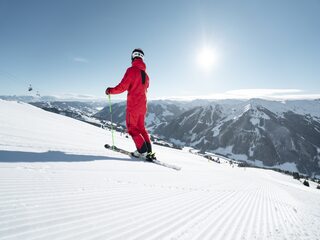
{"points": [[136, 82]]}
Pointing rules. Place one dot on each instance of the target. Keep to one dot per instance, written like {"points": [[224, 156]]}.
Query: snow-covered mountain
{"points": [[32, 97], [159, 112], [284, 134], [58, 182], [28, 98], [79, 110]]}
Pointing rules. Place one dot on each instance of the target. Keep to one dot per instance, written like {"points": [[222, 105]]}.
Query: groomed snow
{"points": [[57, 182]]}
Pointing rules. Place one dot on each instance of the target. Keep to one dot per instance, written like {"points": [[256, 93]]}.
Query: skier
{"points": [[136, 82]]}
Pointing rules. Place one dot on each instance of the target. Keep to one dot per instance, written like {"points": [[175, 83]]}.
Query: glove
{"points": [[108, 91]]}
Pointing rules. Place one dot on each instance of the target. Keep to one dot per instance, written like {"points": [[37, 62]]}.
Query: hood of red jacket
{"points": [[139, 63]]}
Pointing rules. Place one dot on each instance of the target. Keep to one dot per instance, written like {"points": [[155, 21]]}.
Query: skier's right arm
{"points": [[122, 86]]}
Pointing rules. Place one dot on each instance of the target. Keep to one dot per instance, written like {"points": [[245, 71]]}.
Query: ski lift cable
{"points": [[14, 78], [11, 76]]}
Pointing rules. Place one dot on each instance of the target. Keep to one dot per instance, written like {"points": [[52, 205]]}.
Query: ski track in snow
{"points": [[35, 206], [115, 197]]}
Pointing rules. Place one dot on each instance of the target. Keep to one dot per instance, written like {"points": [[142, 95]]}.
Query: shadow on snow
{"points": [[52, 156]]}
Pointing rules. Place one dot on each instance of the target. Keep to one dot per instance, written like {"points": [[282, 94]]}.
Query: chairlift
{"points": [[30, 88]]}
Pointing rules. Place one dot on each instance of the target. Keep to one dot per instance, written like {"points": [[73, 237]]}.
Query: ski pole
{"points": [[111, 120]]}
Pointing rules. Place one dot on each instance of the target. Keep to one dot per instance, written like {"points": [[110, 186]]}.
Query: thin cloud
{"points": [[262, 92], [269, 94], [80, 59], [266, 93], [76, 96], [299, 96]]}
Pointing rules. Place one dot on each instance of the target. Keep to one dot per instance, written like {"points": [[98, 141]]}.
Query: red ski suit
{"points": [[136, 102]]}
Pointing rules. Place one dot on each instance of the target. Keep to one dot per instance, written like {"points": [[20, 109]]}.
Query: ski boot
{"points": [[136, 154], [151, 156]]}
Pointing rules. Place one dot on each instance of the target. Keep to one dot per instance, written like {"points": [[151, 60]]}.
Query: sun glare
{"points": [[206, 58]]}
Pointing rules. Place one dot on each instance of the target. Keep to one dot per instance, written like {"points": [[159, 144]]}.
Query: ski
{"points": [[155, 161], [168, 165]]}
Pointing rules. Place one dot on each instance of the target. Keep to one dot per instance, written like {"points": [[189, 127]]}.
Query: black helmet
{"points": [[137, 53]]}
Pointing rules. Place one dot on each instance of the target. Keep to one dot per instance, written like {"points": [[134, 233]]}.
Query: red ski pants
{"points": [[137, 130]]}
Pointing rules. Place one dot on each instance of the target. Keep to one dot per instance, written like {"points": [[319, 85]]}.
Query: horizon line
{"points": [[238, 94]]}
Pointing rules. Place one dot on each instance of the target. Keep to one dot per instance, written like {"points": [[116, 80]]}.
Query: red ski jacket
{"points": [[136, 82]]}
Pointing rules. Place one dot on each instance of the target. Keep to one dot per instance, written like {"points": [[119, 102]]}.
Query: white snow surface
{"points": [[58, 182]]}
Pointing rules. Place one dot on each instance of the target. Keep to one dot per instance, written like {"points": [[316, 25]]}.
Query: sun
{"points": [[206, 58]]}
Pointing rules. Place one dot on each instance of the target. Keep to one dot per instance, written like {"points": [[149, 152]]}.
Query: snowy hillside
{"points": [[78, 110], [57, 182]]}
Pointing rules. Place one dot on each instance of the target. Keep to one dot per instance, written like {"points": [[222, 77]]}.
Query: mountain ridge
{"points": [[261, 132]]}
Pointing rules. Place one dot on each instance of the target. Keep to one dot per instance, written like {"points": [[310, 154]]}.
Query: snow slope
{"points": [[57, 182]]}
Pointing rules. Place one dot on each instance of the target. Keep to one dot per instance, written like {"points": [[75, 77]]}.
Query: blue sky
{"points": [[81, 47]]}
